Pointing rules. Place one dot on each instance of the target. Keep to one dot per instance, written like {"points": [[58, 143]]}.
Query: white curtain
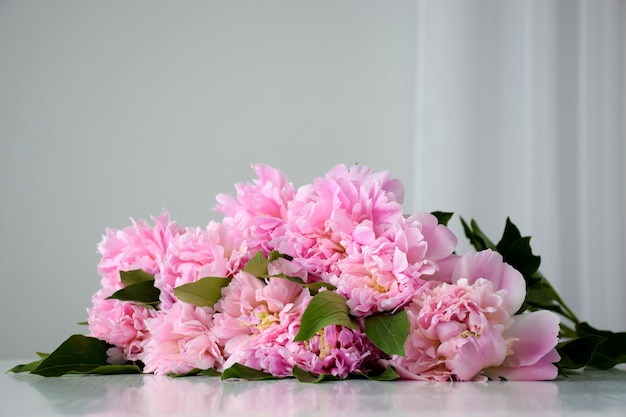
{"points": [[521, 112]]}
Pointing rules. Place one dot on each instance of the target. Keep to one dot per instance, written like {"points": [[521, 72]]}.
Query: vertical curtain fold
{"points": [[520, 112]]}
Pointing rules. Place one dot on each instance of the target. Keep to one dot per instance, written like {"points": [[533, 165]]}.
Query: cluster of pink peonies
{"points": [[347, 232]]}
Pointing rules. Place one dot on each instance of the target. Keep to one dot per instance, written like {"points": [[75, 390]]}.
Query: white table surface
{"points": [[590, 393]]}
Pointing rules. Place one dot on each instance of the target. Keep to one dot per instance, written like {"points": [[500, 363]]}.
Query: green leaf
{"points": [[315, 287], [577, 353], [83, 323], [143, 292], [476, 236], [610, 352], [109, 369], [510, 235], [520, 256], [389, 374], [26, 367], [257, 266], [79, 354], [442, 217], [308, 377], [244, 372], [197, 372], [135, 276], [204, 292], [388, 331], [326, 308]]}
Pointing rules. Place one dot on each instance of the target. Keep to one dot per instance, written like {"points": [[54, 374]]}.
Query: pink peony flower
{"points": [[532, 354], [343, 208], [257, 322], [383, 274], [217, 251], [258, 209], [457, 329], [139, 246], [119, 323], [180, 340]]}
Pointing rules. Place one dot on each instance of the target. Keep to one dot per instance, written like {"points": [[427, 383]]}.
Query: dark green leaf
{"points": [[577, 353], [274, 255], [111, 370], [26, 367], [611, 352], [476, 236], [442, 217], [520, 256], [325, 309], [510, 235], [389, 374], [314, 287], [197, 372], [83, 323], [78, 354], [257, 266], [204, 292], [308, 377], [388, 331], [143, 292], [135, 276], [244, 372]]}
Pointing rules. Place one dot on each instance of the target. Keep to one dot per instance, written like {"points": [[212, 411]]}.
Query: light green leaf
{"points": [[135, 276], [257, 266], [204, 292], [325, 309], [388, 331]]}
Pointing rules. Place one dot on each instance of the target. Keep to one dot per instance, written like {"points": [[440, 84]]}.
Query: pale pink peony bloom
{"points": [[456, 330], [217, 251], [467, 329], [139, 246], [119, 323], [181, 339], [532, 339], [258, 209]]}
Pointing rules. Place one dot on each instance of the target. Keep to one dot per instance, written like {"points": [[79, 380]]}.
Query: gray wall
{"points": [[111, 110]]}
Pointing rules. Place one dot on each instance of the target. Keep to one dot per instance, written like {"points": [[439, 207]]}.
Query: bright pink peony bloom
{"points": [[217, 251], [347, 228], [139, 246], [180, 340], [383, 274], [343, 208], [119, 323], [258, 209], [257, 322]]}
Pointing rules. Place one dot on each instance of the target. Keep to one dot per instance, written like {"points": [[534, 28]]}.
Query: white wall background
{"points": [[117, 109], [486, 108]]}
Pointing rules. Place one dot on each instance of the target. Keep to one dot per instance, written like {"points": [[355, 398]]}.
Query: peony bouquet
{"points": [[328, 281]]}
